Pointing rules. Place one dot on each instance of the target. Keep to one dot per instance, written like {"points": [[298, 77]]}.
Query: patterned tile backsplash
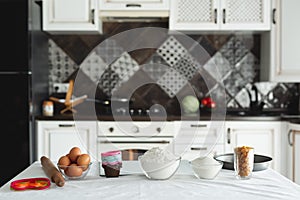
{"points": [[172, 68]]}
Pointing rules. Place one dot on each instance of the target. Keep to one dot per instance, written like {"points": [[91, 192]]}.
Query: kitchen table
{"points": [[267, 184]]}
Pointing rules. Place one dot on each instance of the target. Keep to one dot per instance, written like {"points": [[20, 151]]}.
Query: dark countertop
{"points": [[228, 117]]}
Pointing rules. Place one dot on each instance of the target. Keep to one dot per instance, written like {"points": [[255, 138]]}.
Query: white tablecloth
{"points": [[266, 184]]}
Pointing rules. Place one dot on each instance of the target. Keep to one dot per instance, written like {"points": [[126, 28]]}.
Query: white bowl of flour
{"points": [[159, 164]]}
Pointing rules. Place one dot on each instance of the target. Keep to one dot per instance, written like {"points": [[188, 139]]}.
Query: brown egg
{"points": [[73, 171], [74, 153], [64, 161], [83, 160]]}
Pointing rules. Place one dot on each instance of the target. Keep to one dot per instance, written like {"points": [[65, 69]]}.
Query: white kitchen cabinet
{"points": [[263, 136], [198, 138], [70, 16], [194, 15], [56, 138], [138, 8], [280, 47], [294, 152]]}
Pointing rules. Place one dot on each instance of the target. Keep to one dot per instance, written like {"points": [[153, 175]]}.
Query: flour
{"points": [[205, 161], [159, 163], [157, 155]]}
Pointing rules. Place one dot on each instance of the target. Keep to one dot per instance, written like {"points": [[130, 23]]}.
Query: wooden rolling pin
{"points": [[52, 172]]}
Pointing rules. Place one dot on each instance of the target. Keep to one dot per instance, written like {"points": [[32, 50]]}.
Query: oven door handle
{"points": [[135, 142]]}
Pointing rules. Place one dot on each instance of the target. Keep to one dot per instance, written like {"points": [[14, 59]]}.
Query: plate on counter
{"points": [[261, 162]]}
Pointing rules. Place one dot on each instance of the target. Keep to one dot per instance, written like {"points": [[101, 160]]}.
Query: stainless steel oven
{"points": [[134, 138]]}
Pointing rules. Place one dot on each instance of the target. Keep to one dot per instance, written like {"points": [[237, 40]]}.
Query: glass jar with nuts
{"points": [[243, 161]]}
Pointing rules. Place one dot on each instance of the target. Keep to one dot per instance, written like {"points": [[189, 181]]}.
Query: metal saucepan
{"points": [[260, 162]]}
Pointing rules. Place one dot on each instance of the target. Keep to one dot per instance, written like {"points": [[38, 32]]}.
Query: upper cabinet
{"points": [[134, 8], [281, 44], [194, 15], [71, 16]]}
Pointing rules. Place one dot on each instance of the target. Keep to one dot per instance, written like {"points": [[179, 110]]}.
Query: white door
{"points": [[296, 157], [69, 10], [262, 136], [56, 138], [285, 41], [195, 139], [70, 15], [194, 15], [245, 14]]}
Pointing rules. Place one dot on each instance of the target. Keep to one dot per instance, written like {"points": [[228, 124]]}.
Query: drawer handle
{"points": [[289, 138], [224, 16], [199, 148], [93, 16], [274, 16], [216, 16], [66, 125], [135, 142], [133, 5], [198, 125], [228, 136]]}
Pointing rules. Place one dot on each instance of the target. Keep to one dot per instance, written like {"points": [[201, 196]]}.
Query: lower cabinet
{"points": [[294, 152], [263, 136], [198, 138], [189, 139], [56, 138]]}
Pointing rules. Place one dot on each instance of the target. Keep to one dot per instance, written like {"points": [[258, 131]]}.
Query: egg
{"points": [[74, 153], [73, 171], [83, 160], [64, 161]]}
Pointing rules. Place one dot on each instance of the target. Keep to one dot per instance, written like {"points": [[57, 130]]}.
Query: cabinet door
{"points": [[57, 138], [262, 136], [285, 41], [196, 139], [294, 154], [246, 14], [296, 157], [194, 15], [70, 15], [134, 5]]}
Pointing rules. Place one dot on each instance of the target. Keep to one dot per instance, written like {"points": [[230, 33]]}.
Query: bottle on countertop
{"points": [[48, 108]]}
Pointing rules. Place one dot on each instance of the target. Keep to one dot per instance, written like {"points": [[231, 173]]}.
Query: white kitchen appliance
{"points": [[134, 138]]}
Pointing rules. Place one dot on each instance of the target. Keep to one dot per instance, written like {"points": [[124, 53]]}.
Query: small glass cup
{"points": [[243, 162]]}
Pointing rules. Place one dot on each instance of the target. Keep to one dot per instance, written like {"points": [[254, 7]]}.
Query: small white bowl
{"points": [[164, 172], [206, 170]]}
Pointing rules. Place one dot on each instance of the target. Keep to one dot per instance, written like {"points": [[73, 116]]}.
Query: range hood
{"points": [[133, 16], [134, 10]]}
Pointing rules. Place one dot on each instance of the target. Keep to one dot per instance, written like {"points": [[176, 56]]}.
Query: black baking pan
{"points": [[260, 162]]}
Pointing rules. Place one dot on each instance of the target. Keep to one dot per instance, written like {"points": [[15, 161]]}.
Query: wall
{"points": [[237, 57]]}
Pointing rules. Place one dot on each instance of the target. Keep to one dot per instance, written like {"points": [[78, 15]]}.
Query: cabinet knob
{"points": [[158, 129], [135, 129], [111, 129]]}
